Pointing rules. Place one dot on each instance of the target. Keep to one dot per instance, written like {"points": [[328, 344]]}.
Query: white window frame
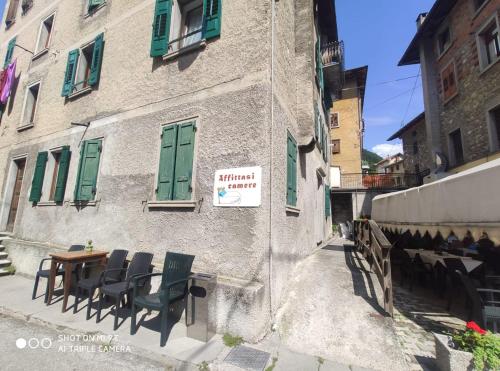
{"points": [[81, 90], [492, 132], [478, 10], [481, 47], [177, 22], [338, 120], [22, 123], [451, 149], [86, 12], [39, 52], [48, 176]]}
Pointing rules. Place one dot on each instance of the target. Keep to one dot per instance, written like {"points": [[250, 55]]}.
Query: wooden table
{"points": [[429, 256], [68, 260]]}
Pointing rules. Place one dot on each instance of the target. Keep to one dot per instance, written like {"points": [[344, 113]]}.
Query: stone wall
{"points": [[422, 159]]}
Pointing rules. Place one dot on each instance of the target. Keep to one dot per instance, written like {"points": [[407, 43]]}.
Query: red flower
{"points": [[475, 327]]}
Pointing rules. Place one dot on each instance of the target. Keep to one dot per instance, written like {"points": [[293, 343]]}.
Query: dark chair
{"points": [[45, 273], [174, 287], [454, 265], [140, 265], [484, 303], [406, 267], [422, 271], [114, 265]]}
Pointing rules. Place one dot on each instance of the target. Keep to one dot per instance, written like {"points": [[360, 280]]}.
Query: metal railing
{"points": [[186, 41], [371, 241], [379, 181], [332, 53]]}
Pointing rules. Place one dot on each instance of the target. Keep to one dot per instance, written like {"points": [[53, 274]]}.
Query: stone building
{"points": [[457, 45], [417, 157], [114, 131]]}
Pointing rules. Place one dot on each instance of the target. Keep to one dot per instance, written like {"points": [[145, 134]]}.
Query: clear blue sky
{"points": [[376, 33]]}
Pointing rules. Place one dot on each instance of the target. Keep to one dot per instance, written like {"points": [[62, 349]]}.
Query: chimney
{"points": [[421, 19]]}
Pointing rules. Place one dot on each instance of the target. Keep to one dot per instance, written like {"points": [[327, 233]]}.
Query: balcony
{"points": [[378, 181], [332, 55]]}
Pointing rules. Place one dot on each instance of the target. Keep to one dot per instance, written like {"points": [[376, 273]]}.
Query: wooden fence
{"points": [[371, 241]]}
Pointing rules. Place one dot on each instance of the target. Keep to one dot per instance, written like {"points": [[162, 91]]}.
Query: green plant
{"points": [[272, 365], [203, 366], [320, 362], [484, 346], [11, 269], [232, 341]]}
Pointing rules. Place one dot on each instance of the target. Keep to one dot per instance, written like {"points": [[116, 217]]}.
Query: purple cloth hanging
{"points": [[10, 75]]}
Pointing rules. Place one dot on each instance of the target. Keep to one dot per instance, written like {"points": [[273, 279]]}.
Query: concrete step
{"points": [[4, 263], [2, 247], [3, 255]]}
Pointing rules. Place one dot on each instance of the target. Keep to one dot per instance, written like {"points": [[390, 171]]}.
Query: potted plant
{"points": [[473, 348], [89, 246]]}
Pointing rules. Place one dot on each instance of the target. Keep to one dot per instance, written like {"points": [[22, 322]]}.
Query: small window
{"points": [[334, 120], [30, 104], [444, 40], [26, 6], [495, 128], [291, 173], [489, 44], [456, 148], [186, 25], [44, 34], [415, 147], [94, 5], [335, 144], [57, 157], [449, 82], [84, 64]]}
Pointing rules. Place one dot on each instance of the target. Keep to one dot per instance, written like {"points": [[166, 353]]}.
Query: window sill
{"points": [[448, 100], [292, 210], [171, 204], [94, 10], [488, 67], [480, 9], [80, 92], [48, 203], [40, 54], [441, 55], [84, 203], [172, 55], [25, 126]]}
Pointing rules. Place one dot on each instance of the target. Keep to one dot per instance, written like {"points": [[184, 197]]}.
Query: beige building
{"points": [[114, 131]]}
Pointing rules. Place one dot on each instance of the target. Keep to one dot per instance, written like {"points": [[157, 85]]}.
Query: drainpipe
{"points": [[271, 139]]}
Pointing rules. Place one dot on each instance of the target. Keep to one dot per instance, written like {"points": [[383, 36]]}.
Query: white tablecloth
{"points": [[432, 258]]}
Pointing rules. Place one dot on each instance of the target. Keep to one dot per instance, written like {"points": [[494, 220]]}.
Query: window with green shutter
{"points": [[38, 175], [62, 174], [83, 67], [175, 174], [9, 53], [94, 4], [291, 173], [88, 169], [212, 18], [327, 201], [161, 28], [319, 65]]}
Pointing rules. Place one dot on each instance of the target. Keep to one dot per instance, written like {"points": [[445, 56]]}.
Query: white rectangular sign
{"points": [[239, 187]]}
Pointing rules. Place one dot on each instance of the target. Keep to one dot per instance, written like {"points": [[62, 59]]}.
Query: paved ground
{"points": [[333, 312], [28, 346], [417, 315]]}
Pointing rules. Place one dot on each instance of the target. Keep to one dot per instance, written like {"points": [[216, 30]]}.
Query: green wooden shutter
{"points": [[184, 161], [316, 123], [88, 170], [94, 3], [69, 76], [62, 174], [165, 187], [291, 173], [212, 17], [327, 201], [37, 183], [161, 28], [95, 67], [9, 53]]}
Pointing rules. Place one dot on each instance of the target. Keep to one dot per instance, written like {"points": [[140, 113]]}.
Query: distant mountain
{"points": [[371, 157]]}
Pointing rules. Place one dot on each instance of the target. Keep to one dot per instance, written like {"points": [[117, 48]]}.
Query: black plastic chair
{"points": [[174, 287], [454, 265], [139, 266], [422, 271], [116, 261], [484, 303], [45, 273], [405, 267]]}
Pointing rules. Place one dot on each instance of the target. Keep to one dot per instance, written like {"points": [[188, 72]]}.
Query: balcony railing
{"points": [[379, 181], [333, 53]]}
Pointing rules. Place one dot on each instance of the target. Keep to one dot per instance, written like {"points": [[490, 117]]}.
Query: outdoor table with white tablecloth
{"points": [[431, 257]]}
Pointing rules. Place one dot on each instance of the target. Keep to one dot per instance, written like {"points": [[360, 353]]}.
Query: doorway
{"points": [[341, 208], [16, 193]]}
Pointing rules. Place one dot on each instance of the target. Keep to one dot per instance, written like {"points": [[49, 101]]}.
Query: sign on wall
{"points": [[239, 187]]}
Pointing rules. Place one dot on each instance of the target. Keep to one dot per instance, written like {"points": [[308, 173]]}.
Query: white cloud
{"points": [[387, 149]]}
